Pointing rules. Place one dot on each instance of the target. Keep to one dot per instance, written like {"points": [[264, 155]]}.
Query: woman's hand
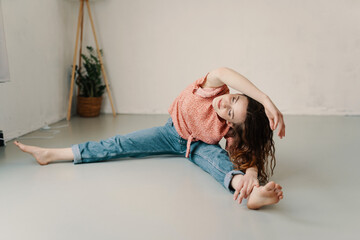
{"points": [[244, 184], [275, 117]]}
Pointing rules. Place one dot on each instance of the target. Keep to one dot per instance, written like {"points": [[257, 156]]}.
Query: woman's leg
{"points": [[153, 141], [215, 161], [46, 155]]}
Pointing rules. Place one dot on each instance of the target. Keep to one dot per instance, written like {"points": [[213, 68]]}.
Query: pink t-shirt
{"points": [[194, 117]]}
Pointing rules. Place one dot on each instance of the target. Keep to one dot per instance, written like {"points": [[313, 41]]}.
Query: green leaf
{"points": [[89, 78]]}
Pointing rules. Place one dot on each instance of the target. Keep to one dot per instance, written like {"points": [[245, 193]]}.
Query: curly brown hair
{"points": [[253, 143]]}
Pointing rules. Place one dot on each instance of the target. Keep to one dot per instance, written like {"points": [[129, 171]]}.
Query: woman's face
{"points": [[231, 107]]}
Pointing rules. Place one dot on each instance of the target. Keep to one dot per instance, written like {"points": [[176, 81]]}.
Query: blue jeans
{"points": [[155, 141]]}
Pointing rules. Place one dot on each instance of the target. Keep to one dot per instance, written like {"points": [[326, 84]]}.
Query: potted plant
{"points": [[91, 87]]}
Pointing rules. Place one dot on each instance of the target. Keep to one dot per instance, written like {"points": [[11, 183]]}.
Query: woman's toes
{"points": [[19, 145], [270, 186], [280, 195]]}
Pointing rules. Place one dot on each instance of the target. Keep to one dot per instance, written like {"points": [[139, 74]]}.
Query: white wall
{"points": [[4, 66], [40, 49], [305, 54]]}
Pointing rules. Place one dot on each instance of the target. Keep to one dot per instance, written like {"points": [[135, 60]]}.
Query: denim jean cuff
{"points": [[77, 155], [229, 177]]}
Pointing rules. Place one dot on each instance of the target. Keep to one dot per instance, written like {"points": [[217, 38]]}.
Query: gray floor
{"points": [[171, 198]]}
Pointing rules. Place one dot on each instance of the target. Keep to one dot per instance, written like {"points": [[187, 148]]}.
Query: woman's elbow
{"points": [[222, 71]]}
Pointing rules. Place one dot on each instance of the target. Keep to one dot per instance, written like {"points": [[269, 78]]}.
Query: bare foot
{"points": [[42, 155], [265, 195]]}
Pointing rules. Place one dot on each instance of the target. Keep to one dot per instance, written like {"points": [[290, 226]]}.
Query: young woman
{"points": [[201, 116]]}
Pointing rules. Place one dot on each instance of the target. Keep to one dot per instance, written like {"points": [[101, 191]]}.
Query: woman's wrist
{"points": [[252, 171], [264, 99], [235, 180]]}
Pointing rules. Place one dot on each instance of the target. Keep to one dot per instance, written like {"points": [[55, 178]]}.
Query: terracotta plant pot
{"points": [[88, 106]]}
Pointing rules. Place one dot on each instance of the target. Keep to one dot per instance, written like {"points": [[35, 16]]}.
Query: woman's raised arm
{"points": [[235, 80]]}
